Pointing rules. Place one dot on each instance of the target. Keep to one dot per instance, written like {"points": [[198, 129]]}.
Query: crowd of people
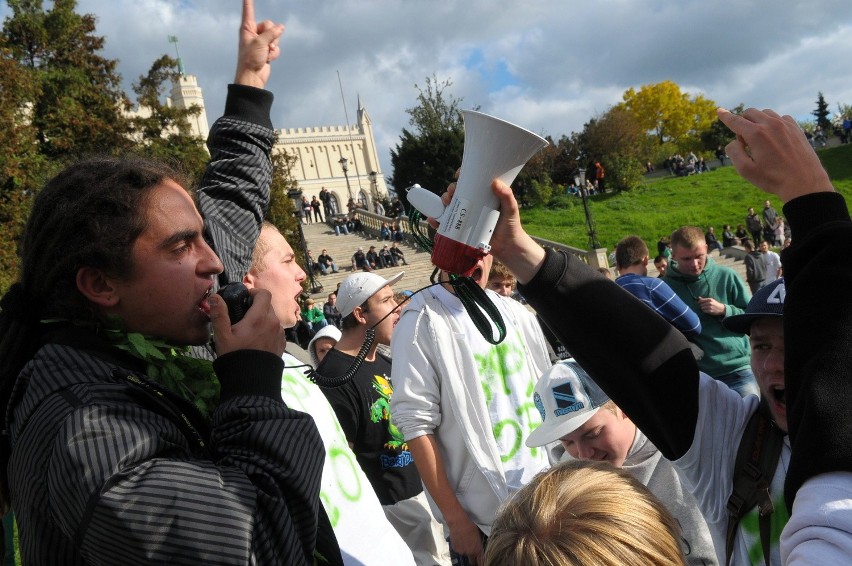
{"points": [[681, 166], [378, 258], [682, 419]]}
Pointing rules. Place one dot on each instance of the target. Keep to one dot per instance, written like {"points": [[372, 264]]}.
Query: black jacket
{"points": [[109, 468], [818, 338]]}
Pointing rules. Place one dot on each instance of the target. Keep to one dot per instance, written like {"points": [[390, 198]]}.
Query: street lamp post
{"points": [[374, 185], [296, 196], [344, 164], [590, 223]]}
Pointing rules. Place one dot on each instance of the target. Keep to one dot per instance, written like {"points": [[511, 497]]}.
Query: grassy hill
{"points": [[663, 204]]}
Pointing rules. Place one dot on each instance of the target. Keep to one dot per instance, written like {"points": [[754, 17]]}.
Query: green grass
{"points": [[661, 205]]}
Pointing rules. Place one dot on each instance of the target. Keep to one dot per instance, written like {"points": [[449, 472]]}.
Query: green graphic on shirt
{"points": [[516, 427], [380, 411], [751, 525], [498, 368], [340, 461], [330, 509], [500, 363]]}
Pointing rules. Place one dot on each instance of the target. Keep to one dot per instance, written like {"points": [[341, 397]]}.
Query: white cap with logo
{"points": [[566, 397]]}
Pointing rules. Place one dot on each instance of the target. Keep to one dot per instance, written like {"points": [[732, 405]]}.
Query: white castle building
{"points": [[342, 159]]}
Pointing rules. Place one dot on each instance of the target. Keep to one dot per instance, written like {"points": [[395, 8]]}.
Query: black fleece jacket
{"points": [[818, 338]]}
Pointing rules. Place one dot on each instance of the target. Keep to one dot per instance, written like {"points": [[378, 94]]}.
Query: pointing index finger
{"points": [[248, 13], [728, 118]]}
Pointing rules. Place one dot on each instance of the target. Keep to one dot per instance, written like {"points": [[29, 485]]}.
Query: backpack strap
{"points": [[757, 459]]}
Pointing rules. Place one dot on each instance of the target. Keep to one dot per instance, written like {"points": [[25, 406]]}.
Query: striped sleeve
{"points": [[672, 308], [234, 193]]}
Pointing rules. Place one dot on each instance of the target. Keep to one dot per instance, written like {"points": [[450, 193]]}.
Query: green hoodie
{"points": [[724, 351]]}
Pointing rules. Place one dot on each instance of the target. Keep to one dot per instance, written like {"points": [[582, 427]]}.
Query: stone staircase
{"points": [[321, 236]]}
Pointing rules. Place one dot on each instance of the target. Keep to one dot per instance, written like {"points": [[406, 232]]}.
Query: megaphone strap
{"points": [[475, 301], [483, 312]]}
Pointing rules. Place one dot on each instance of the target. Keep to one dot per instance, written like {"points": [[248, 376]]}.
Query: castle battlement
{"points": [[320, 131]]}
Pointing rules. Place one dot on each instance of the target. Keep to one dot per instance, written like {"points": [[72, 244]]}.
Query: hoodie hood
{"points": [[673, 272], [329, 331]]}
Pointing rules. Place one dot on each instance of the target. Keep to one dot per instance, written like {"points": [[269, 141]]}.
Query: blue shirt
{"points": [[659, 296]]}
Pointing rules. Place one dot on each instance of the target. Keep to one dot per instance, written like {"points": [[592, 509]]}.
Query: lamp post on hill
{"points": [[315, 287], [344, 164], [584, 193]]}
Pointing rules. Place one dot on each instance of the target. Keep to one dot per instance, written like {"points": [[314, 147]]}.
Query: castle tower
{"points": [[186, 93]]}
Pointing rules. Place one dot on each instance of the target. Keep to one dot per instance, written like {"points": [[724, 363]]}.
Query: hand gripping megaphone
{"points": [[493, 149]]}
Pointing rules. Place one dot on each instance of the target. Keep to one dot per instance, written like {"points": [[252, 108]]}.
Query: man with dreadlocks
{"points": [[463, 406], [117, 447]]}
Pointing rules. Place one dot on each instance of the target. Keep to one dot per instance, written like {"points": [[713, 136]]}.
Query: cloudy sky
{"points": [[546, 65]]}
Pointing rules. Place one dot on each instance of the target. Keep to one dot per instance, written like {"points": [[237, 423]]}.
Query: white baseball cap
{"points": [[566, 397], [358, 287]]}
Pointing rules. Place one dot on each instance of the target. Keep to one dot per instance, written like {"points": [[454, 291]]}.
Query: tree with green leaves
{"points": [[22, 167], [821, 113], [616, 131], [163, 131], [616, 139], [77, 105], [431, 152], [282, 213], [555, 166]]}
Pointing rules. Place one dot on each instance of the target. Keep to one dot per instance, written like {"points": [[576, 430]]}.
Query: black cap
{"points": [[768, 301]]}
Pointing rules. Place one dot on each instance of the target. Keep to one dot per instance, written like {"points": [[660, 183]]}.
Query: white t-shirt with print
{"points": [[363, 532]]}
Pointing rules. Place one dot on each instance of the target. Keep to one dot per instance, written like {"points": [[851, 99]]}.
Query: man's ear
{"points": [[359, 316], [94, 284], [250, 279], [645, 261]]}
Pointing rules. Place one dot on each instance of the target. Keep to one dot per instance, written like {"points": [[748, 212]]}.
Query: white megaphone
{"points": [[493, 149]]}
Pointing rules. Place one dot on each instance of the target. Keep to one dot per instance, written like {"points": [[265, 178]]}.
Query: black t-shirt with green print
{"points": [[362, 407]]}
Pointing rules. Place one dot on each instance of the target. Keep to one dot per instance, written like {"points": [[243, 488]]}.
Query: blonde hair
{"points": [[261, 247], [611, 407], [584, 512], [688, 237]]}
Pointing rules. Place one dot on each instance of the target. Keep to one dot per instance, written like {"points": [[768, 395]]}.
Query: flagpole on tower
{"points": [[174, 39]]}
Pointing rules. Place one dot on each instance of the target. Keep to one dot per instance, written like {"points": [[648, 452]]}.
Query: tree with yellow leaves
{"points": [[668, 113]]}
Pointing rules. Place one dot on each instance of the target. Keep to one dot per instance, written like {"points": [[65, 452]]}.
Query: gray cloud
{"points": [[559, 63]]}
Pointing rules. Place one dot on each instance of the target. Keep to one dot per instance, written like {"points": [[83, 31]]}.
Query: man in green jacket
{"points": [[715, 292]]}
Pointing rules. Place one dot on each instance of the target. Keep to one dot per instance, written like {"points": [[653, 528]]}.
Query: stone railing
{"points": [[595, 258], [372, 224]]}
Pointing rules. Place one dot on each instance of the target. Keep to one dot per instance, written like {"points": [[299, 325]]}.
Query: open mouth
{"points": [[204, 303], [779, 394]]}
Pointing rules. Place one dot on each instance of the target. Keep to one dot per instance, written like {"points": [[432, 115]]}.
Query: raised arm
{"points": [[588, 313], [234, 192], [772, 153]]}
